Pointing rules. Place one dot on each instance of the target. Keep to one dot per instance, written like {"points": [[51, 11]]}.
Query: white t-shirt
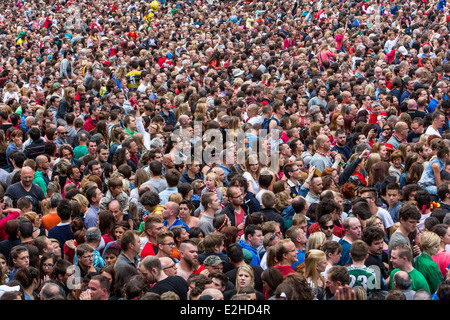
{"points": [[386, 217], [251, 180], [431, 131]]}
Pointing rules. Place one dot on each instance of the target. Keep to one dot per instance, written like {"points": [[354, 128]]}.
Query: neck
{"points": [[358, 263], [29, 291], [407, 268], [26, 239], [284, 263], [129, 255], [236, 207], [185, 266], [171, 220], [210, 212]]}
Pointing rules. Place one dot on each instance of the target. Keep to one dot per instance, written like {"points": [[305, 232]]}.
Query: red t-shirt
{"points": [[285, 270], [149, 249], [240, 219]]}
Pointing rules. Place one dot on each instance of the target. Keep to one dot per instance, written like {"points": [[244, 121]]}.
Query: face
{"points": [[27, 177], [171, 269], [210, 183], [97, 292], [332, 285], [244, 278], [354, 231], [92, 146], [392, 196], [96, 170], [396, 260], [110, 259], [335, 257], [155, 229], [341, 139], [238, 197], [47, 266], [103, 155], [328, 229], [410, 225], [316, 185], [382, 152], [397, 162], [167, 246], [190, 254], [56, 248], [87, 259], [290, 253], [256, 239]]}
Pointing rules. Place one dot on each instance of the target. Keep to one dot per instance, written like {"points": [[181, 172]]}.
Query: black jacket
{"points": [[229, 211], [272, 215], [34, 149]]}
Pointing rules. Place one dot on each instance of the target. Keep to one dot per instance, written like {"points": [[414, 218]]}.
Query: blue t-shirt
{"points": [[300, 258], [345, 258]]}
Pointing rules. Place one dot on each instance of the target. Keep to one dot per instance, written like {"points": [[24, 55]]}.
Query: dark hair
{"points": [[371, 234], [64, 209], [250, 230], [235, 253]]}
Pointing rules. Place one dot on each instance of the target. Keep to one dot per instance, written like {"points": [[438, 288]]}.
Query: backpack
{"points": [[265, 124]]}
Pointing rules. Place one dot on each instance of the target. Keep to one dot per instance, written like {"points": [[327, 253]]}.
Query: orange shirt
{"points": [[50, 220]]}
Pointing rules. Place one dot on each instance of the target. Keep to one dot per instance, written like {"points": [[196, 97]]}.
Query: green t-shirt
{"points": [[418, 280], [364, 277], [80, 151], [430, 270]]}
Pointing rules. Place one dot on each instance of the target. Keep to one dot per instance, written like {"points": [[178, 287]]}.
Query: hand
{"points": [[311, 172], [241, 226], [416, 250], [365, 154], [345, 293], [86, 295], [91, 269]]}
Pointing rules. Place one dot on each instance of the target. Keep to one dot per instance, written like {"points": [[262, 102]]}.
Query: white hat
{"points": [[403, 50]]}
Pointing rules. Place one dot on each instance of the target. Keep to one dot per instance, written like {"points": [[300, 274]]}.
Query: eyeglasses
{"points": [[241, 195], [47, 265], [168, 267], [88, 257], [379, 224], [170, 244]]}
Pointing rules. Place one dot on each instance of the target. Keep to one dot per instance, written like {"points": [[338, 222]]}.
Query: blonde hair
{"points": [[315, 240], [428, 240], [81, 199], [176, 197], [313, 258], [215, 177], [249, 270]]}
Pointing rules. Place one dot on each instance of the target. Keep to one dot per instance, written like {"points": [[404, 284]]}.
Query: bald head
{"points": [[402, 280], [215, 293], [173, 206], [412, 105], [401, 128]]}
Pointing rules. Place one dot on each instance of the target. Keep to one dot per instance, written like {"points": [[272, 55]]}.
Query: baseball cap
{"points": [[212, 261], [389, 147]]}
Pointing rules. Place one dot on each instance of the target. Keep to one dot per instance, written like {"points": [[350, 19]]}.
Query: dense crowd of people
{"points": [[224, 150]]}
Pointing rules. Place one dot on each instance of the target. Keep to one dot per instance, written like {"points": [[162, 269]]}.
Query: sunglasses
{"points": [[328, 227]]}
